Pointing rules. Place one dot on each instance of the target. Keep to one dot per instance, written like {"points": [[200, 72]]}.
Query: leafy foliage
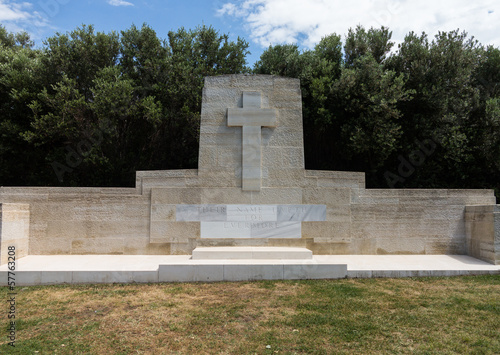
{"points": [[91, 108], [426, 115]]}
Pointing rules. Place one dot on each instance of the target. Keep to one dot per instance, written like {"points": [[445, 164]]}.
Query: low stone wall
{"points": [[358, 221], [416, 221], [14, 230], [482, 225], [86, 220]]}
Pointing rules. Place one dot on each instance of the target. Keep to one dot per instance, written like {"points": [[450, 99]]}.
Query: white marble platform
{"points": [[59, 269], [272, 253]]}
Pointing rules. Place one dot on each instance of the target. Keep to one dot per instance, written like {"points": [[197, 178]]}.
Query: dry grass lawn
{"points": [[368, 316]]}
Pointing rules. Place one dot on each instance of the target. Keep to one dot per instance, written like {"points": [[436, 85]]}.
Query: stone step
{"points": [[273, 253]]}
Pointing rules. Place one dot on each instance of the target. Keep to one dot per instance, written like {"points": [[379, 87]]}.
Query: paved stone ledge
{"points": [[248, 271], [89, 269]]}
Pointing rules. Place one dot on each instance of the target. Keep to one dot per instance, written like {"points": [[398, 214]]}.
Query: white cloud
{"points": [[306, 21], [119, 3], [20, 16], [13, 12]]}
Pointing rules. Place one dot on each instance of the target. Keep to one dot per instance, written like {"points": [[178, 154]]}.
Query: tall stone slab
{"points": [[251, 125], [251, 176]]}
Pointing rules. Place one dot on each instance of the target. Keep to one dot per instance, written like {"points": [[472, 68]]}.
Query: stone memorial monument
{"points": [[251, 189]]}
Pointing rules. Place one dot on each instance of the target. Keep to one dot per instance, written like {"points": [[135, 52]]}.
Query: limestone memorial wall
{"points": [[251, 188]]}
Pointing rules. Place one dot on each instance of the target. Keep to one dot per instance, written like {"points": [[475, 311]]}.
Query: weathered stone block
{"points": [[327, 196], [176, 195], [163, 212], [225, 196], [277, 195], [14, 231], [173, 232], [337, 231], [98, 246], [401, 246]]}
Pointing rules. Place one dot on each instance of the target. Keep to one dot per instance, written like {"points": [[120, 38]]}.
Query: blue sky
{"points": [[260, 22]]}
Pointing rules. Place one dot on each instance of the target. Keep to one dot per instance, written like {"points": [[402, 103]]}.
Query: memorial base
{"points": [[232, 253]]}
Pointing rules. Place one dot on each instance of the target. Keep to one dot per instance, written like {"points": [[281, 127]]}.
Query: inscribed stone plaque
{"points": [[240, 229], [251, 221], [197, 213]]}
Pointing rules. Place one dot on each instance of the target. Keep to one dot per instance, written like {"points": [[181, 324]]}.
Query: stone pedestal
{"points": [[255, 253]]}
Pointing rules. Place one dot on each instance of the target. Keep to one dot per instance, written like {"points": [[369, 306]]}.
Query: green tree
{"points": [[322, 67], [80, 54], [63, 122], [281, 60], [367, 123], [360, 43], [486, 120], [351, 119], [20, 79], [446, 99], [91, 108], [193, 55]]}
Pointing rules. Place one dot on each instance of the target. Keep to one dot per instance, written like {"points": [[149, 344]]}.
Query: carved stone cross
{"points": [[251, 118]]}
